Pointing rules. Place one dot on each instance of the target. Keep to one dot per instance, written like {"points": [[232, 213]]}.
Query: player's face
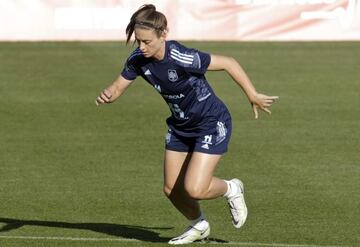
{"points": [[149, 43]]}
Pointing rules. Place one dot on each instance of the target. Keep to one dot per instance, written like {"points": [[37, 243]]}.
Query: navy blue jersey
{"points": [[180, 80]]}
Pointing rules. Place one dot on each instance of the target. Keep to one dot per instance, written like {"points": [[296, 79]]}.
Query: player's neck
{"points": [[161, 53]]}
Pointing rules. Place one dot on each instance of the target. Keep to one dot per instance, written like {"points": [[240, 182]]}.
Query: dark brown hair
{"points": [[146, 17]]}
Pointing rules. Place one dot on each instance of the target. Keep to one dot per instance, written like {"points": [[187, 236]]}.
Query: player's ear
{"points": [[164, 34]]}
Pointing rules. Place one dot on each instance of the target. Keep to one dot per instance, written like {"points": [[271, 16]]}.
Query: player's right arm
{"points": [[113, 91]]}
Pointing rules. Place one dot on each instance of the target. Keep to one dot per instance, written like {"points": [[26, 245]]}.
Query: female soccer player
{"points": [[200, 124]]}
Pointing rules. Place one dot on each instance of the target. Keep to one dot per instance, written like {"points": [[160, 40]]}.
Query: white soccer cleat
{"points": [[192, 234], [237, 205]]}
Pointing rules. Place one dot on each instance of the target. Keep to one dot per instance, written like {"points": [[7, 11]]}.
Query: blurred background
{"points": [[270, 20]]}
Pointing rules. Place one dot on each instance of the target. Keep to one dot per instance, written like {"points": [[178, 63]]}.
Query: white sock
{"points": [[232, 189]]}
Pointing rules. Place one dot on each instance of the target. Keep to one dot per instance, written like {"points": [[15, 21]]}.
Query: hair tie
{"points": [[147, 24]]}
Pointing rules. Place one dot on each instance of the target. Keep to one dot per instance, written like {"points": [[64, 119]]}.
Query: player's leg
{"points": [[199, 181], [175, 166], [200, 184]]}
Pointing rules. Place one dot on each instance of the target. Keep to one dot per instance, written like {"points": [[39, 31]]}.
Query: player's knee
{"points": [[196, 192]]}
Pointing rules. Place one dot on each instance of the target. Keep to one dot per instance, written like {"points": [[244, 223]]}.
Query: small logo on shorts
{"points": [[207, 141], [147, 72], [172, 75]]}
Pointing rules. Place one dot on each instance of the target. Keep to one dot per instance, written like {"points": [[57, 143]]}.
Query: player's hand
{"points": [[263, 102], [104, 97]]}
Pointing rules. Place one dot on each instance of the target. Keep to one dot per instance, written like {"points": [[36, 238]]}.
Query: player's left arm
{"points": [[233, 68]]}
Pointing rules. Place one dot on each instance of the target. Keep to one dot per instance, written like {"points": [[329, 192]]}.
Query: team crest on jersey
{"points": [[172, 75]]}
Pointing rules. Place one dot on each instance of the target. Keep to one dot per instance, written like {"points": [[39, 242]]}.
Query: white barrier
{"points": [[278, 20]]}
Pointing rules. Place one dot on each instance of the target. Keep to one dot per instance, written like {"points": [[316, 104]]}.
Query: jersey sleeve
{"points": [[193, 60], [131, 70], [201, 62]]}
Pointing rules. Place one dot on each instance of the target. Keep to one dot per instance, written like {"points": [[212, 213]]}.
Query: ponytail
{"points": [[146, 17]]}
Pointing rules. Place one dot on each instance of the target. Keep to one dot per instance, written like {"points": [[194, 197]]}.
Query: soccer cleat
{"points": [[237, 204], [192, 234]]}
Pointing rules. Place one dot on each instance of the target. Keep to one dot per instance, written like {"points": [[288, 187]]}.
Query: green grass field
{"points": [[73, 174]]}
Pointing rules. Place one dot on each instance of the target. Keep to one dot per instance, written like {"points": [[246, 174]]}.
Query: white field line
{"points": [[71, 239], [136, 240]]}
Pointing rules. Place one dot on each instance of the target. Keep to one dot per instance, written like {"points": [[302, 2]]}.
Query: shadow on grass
{"points": [[124, 231], [141, 233]]}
